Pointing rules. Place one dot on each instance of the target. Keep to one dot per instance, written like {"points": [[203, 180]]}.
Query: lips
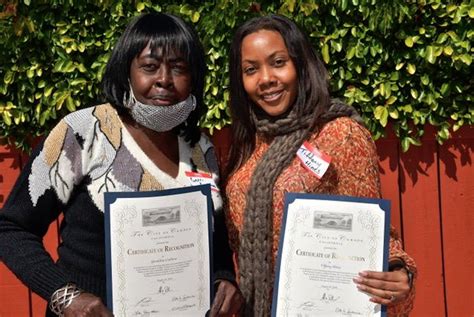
{"points": [[271, 96], [163, 99]]}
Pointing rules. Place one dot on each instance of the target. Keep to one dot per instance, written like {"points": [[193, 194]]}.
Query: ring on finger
{"points": [[393, 298]]}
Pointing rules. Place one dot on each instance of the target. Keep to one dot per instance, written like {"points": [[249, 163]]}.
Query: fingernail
{"points": [[363, 273], [357, 280]]}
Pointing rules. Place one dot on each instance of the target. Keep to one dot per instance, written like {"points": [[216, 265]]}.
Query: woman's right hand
{"points": [[87, 305]]}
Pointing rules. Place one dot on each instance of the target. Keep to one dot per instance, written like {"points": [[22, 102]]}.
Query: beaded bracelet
{"points": [[63, 297]]}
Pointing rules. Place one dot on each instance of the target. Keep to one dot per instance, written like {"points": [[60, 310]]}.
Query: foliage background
{"points": [[404, 62]]}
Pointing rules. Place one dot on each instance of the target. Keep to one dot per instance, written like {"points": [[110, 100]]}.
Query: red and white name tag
{"points": [[201, 179], [313, 160]]}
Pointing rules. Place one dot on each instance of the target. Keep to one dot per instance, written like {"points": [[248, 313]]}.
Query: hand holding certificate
{"points": [[325, 242], [158, 252]]}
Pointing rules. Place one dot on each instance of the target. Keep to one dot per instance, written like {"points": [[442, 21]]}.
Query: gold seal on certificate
{"points": [[325, 242], [158, 252]]}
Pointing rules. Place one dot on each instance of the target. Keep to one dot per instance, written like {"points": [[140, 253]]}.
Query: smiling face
{"points": [[268, 73], [160, 79]]}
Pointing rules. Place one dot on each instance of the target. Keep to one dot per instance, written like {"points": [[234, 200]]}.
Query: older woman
{"points": [[145, 138]]}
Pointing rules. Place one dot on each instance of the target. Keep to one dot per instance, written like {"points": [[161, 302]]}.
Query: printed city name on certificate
{"points": [[159, 252], [325, 242]]}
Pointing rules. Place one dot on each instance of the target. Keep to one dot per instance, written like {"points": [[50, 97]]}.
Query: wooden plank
{"points": [[9, 171], [388, 152], [13, 294], [457, 205], [12, 301], [421, 224]]}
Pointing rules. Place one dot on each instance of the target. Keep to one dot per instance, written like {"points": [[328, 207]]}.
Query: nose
{"points": [[164, 78], [267, 77]]}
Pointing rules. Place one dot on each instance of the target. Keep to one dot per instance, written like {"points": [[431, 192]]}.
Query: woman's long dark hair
{"points": [[159, 30], [313, 92]]}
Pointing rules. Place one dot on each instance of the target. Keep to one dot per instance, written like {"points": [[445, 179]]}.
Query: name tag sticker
{"points": [[201, 179], [313, 160]]}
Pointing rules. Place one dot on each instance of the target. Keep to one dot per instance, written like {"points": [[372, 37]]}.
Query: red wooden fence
{"points": [[432, 193]]}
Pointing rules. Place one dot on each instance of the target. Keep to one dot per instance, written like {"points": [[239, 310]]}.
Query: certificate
{"points": [[325, 242], [158, 248]]}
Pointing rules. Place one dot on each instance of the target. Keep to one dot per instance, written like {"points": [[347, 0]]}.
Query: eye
{"points": [[279, 62], [249, 70], [180, 67], [149, 67]]}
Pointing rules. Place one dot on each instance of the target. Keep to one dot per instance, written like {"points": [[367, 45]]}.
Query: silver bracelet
{"points": [[63, 297]]}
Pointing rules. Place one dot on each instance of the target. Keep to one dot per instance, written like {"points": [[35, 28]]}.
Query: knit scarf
{"points": [[255, 248]]}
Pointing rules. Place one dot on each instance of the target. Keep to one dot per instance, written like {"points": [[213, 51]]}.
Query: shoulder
{"points": [[342, 128], [84, 125], [342, 132], [344, 138], [91, 114]]}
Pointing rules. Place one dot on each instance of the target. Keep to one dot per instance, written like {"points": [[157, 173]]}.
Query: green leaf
{"points": [[409, 41], [425, 79], [411, 69], [47, 91], [448, 50], [430, 55], [325, 53], [195, 17], [407, 109], [8, 78], [381, 114], [394, 114], [443, 133], [467, 59], [351, 52], [70, 104], [7, 118], [391, 100], [405, 143], [140, 6], [471, 13], [30, 73]]}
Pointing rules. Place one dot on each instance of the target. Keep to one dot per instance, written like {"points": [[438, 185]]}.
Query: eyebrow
{"points": [[268, 57], [175, 59]]}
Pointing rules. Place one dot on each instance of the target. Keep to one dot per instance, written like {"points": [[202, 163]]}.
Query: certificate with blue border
{"points": [[325, 242], [158, 246]]}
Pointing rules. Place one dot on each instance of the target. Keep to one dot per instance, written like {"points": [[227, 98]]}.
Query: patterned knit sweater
{"points": [[353, 171], [88, 153]]}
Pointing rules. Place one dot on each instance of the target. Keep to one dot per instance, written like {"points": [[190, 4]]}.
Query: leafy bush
{"points": [[402, 61]]}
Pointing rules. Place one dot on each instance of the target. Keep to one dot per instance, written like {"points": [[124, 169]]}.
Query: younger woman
{"points": [[279, 99]]}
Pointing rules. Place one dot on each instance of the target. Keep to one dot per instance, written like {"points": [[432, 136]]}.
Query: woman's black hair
{"points": [[313, 92], [159, 30]]}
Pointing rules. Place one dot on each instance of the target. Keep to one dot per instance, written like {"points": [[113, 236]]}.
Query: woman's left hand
{"points": [[386, 288], [228, 300]]}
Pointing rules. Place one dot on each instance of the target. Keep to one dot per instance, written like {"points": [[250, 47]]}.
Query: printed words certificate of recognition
{"points": [[324, 243], [159, 252]]}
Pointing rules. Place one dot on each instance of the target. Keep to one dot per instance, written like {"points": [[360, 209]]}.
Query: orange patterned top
{"points": [[353, 171]]}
